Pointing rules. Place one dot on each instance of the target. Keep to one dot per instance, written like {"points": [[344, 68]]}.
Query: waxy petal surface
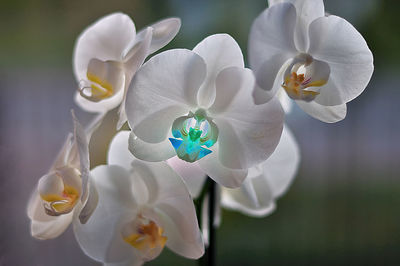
{"points": [[164, 88], [219, 51], [272, 34], [336, 42], [327, 114], [248, 133]]}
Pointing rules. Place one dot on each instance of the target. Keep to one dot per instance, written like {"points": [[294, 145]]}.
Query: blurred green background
{"points": [[342, 209]]}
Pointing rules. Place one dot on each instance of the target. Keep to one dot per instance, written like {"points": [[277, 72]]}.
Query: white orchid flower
{"points": [[256, 197], [107, 55], [198, 105], [142, 208], [322, 62], [65, 191]]}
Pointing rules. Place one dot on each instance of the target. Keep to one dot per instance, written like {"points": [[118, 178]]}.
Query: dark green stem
{"points": [[209, 188], [211, 249]]}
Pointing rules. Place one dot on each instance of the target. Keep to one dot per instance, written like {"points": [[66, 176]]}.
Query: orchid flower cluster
{"points": [[194, 116]]}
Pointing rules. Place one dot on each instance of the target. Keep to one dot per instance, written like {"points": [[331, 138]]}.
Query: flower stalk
{"points": [[210, 189], [212, 245]]}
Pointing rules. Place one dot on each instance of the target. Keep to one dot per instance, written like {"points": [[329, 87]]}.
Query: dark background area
{"points": [[342, 209]]}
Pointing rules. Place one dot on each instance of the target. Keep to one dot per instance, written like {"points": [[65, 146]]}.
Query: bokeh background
{"points": [[342, 209]]}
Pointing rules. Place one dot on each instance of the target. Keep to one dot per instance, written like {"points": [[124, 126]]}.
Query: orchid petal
{"points": [[248, 133], [285, 101], [133, 60], [269, 78], [280, 169], [108, 77], [106, 39], [272, 37], [224, 176], [62, 156], [160, 180], [149, 151], [44, 226], [51, 183], [90, 204], [233, 87], [137, 54], [240, 199], [119, 187], [116, 206], [219, 51], [327, 114], [103, 105], [174, 206], [266, 181], [307, 11], [118, 152], [99, 242], [163, 32], [164, 88], [82, 145], [191, 173], [336, 42], [72, 178]]}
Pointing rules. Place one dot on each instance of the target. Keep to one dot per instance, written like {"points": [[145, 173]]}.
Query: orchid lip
{"points": [[304, 77], [57, 202], [62, 205], [144, 235], [193, 135], [102, 80], [96, 89]]}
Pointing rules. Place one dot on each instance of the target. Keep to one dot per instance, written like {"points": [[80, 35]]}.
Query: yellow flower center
{"points": [[304, 76], [295, 85], [56, 205], [99, 89], [147, 237]]}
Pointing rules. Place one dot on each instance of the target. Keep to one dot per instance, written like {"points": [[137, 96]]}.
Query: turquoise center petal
{"points": [[191, 133]]}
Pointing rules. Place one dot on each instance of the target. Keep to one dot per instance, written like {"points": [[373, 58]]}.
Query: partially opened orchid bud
{"points": [[60, 190], [65, 191]]}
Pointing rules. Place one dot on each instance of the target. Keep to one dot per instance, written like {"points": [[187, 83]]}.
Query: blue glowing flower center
{"points": [[191, 133]]}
